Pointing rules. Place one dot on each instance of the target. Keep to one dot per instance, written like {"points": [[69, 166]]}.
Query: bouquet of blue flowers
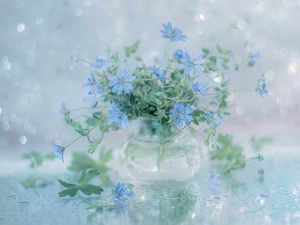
{"points": [[184, 90]]}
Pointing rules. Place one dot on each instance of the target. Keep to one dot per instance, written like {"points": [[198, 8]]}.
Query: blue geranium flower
{"points": [[92, 92], [174, 34], [90, 80], [178, 54], [121, 192], [261, 87], [181, 113], [103, 63], [74, 59], [213, 119], [158, 73], [121, 82], [65, 111], [59, 150], [191, 64], [199, 88], [118, 117], [213, 182]]}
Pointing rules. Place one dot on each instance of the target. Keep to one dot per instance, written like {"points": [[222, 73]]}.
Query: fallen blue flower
{"points": [[121, 192]]}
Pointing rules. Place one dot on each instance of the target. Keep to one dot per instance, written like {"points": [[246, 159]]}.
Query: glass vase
{"points": [[147, 159]]}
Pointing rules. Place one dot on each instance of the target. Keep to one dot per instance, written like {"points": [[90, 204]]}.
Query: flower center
{"points": [[121, 80]]}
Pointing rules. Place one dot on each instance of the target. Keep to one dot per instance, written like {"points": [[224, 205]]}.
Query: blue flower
{"points": [[121, 192], [90, 80], [92, 92], [121, 82], [181, 113], [158, 73], [191, 64], [261, 87], [74, 59], [213, 119], [199, 88], [213, 183], [178, 54], [118, 117], [59, 150], [174, 34], [103, 63], [65, 111]]}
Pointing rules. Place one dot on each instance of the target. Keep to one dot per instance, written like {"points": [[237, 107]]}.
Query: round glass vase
{"points": [[146, 159]]}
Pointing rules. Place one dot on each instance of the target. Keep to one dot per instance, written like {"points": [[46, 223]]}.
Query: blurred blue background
{"points": [[37, 39]]}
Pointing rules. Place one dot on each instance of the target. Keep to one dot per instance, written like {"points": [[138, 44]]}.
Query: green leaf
{"points": [[195, 122], [206, 142], [29, 182], [207, 131], [213, 60], [107, 49], [89, 189], [97, 115], [66, 184], [261, 172], [81, 162], [223, 51], [70, 191], [50, 156], [105, 156], [86, 177], [258, 143], [131, 49], [36, 158], [92, 121], [236, 67], [91, 216], [93, 206], [205, 51]]}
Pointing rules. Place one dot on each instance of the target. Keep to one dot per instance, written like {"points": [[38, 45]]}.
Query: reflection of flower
{"points": [[121, 207], [213, 183], [74, 59], [199, 88], [181, 113], [59, 150], [118, 117], [261, 87], [213, 119], [158, 73], [191, 64], [103, 63], [121, 192], [121, 82], [252, 52], [174, 34], [65, 111]]}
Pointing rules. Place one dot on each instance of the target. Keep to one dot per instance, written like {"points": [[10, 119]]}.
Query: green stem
{"points": [[73, 141], [196, 131], [83, 60], [175, 134]]}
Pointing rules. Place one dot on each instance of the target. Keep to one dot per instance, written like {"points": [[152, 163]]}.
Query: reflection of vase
{"points": [[147, 160]]}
